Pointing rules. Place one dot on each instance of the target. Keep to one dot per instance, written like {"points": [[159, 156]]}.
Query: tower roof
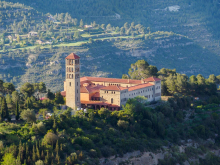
{"points": [[72, 56]]}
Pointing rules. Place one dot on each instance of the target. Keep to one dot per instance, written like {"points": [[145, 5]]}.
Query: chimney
{"points": [[128, 80], [142, 80]]}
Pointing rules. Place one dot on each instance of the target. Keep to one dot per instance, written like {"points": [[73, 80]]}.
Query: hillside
{"points": [[177, 37]]}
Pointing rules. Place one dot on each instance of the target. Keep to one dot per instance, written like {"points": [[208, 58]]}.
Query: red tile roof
{"points": [[83, 90], [97, 94], [113, 88], [90, 88], [139, 86], [111, 80], [150, 79], [72, 56], [63, 93]]}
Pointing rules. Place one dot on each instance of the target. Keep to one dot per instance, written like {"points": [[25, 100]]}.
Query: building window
{"points": [[77, 62], [77, 83], [77, 98], [111, 100], [70, 83], [77, 90], [149, 96], [152, 96], [152, 89]]}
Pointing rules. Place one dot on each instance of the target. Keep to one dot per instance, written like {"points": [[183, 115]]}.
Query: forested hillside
{"points": [[39, 132], [171, 34]]}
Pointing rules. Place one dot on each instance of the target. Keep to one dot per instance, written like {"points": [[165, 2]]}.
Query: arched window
{"points": [[111, 100]]}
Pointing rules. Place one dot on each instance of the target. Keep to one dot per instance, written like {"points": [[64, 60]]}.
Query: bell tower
{"points": [[73, 81]]}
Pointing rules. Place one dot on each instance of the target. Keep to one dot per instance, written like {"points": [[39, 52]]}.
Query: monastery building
{"points": [[97, 92]]}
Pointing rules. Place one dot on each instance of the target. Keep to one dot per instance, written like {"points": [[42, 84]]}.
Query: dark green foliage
{"points": [[4, 110], [8, 88], [141, 69], [28, 115], [50, 95], [59, 98], [27, 89], [173, 83], [17, 112]]}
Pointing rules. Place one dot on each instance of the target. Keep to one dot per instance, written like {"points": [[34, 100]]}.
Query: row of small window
{"points": [[76, 85], [71, 62], [71, 76], [71, 69], [149, 89], [123, 92], [157, 94], [158, 87], [124, 99], [149, 96], [109, 92]]}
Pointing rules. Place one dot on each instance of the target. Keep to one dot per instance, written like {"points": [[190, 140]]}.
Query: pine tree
{"points": [[17, 110]]}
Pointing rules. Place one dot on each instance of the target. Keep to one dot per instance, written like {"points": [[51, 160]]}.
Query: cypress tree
{"points": [[42, 155], [52, 156], [54, 125], [27, 152], [57, 158], [4, 110], [46, 161], [57, 147], [29, 160], [2, 114], [33, 155], [37, 153], [17, 111]]}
